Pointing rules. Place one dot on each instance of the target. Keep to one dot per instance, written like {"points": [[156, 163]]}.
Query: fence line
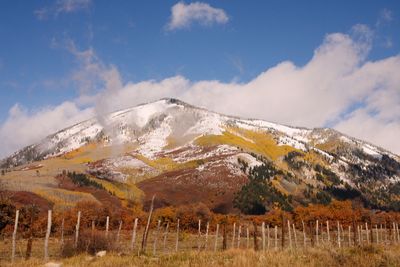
{"points": [[363, 234]]}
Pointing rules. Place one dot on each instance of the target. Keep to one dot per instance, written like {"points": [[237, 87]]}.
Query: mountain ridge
{"points": [[184, 153], [177, 101]]}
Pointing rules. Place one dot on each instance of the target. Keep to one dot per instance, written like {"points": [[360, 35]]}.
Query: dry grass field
{"points": [[327, 254], [323, 256]]}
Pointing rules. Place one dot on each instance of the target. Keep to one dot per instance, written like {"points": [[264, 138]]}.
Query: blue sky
{"points": [[38, 65]]}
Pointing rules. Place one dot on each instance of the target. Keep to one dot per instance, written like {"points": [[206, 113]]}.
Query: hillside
{"points": [[185, 154]]}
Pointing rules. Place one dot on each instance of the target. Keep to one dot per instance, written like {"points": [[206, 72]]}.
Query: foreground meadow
{"points": [[322, 256]]}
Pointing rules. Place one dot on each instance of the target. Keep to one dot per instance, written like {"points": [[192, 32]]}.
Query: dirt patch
{"points": [[214, 185]]}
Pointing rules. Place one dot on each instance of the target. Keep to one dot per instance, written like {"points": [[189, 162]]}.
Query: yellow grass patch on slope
{"points": [[64, 198], [314, 158], [332, 145], [258, 142], [124, 191], [167, 164]]}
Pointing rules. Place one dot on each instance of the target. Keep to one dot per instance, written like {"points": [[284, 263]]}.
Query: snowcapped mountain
{"points": [[186, 154]]}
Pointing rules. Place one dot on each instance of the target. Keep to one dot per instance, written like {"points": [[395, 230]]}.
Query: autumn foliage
{"points": [[345, 212]]}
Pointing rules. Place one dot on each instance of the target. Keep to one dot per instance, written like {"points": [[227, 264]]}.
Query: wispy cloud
{"points": [[237, 64], [62, 6], [184, 15], [385, 17], [388, 42]]}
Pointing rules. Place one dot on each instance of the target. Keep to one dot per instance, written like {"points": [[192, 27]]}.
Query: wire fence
{"points": [[168, 237]]}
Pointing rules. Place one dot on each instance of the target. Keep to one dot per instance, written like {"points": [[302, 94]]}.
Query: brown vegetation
{"points": [[215, 187]]}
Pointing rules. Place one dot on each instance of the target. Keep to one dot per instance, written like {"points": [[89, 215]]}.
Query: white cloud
{"points": [[62, 6], [24, 127], [184, 15], [337, 87], [384, 133]]}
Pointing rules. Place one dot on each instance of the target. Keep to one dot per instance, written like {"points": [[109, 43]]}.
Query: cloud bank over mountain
{"points": [[338, 87]]}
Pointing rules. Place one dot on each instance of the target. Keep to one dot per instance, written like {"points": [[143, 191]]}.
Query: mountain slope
{"points": [[185, 154]]}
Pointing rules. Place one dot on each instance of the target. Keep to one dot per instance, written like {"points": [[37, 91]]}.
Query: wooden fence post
{"points": [[316, 232], [376, 234], [255, 236], [93, 227], [206, 241], [216, 238], [268, 237], [295, 236], [304, 234], [338, 233], [283, 232], [165, 236], [239, 235], [371, 232], [224, 238], [312, 233], [177, 237], [354, 232], [393, 233], [233, 235], [327, 231], [386, 236], [133, 240], [247, 237], [199, 236], [290, 236], [263, 235], [343, 233], [14, 236], [78, 222], [119, 231], [146, 230], [46, 240], [62, 232], [349, 236], [156, 237], [28, 252], [107, 225], [367, 232], [383, 233]]}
